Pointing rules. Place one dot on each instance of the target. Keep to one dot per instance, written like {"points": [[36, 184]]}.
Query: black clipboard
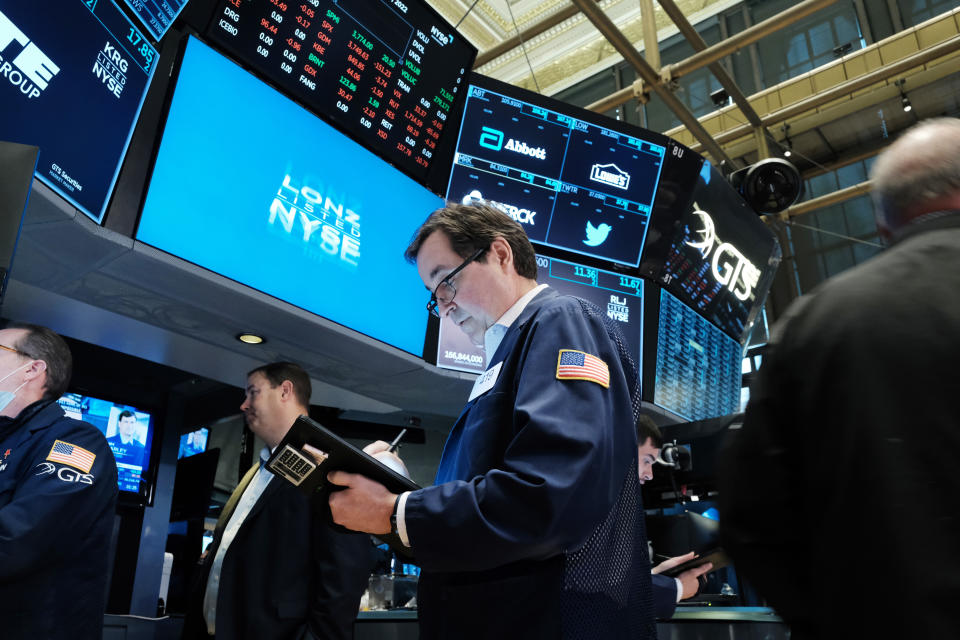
{"points": [[289, 462], [717, 556]]}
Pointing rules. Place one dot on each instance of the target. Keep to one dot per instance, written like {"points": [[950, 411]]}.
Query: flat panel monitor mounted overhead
{"points": [[696, 367], [129, 431], [74, 77], [576, 181], [387, 72], [17, 164], [156, 15], [710, 250], [251, 186]]}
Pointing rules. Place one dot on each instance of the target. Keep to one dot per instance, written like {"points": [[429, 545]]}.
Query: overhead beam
{"points": [[526, 35], [699, 44], [835, 197], [645, 71], [880, 74], [744, 38], [714, 53]]}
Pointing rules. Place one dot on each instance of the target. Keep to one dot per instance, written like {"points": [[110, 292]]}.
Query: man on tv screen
{"points": [[534, 528], [58, 495], [126, 448]]}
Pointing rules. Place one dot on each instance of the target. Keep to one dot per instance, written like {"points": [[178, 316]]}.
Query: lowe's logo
{"points": [[493, 139]]}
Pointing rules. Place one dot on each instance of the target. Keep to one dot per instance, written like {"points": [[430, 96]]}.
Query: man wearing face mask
{"points": [[58, 493]]}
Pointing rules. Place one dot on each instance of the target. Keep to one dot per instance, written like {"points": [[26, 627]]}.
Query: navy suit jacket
{"points": [[287, 574], [664, 596], [56, 522], [534, 528]]}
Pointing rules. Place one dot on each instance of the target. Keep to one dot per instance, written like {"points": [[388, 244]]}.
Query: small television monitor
{"points": [[386, 72], [250, 185], [575, 180], [711, 250], [73, 76], [619, 296], [129, 431], [696, 368], [156, 15], [193, 443]]}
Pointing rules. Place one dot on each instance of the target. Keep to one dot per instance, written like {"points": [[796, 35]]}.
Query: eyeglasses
{"points": [[445, 291], [22, 353]]}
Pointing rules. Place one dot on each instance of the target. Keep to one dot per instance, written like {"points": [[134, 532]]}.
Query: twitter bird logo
{"points": [[597, 235]]}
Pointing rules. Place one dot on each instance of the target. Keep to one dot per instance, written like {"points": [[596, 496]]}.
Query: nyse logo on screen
{"points": [[617, 309], [111, 68], [30, 70], [322, 221], [728, 266]]}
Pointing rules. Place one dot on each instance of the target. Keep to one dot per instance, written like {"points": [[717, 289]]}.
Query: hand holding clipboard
{"points": [[308, 469]]}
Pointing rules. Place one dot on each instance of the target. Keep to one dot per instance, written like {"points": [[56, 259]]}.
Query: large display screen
{"points": [[714, 253], [572, 183], [254, 187], [387, 72], [156, 15], [698, 366], [73, 75], [620, 296], [129, 433]]}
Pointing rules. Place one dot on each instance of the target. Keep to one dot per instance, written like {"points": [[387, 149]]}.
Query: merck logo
{"points": [[728, 266], [31, 70]]}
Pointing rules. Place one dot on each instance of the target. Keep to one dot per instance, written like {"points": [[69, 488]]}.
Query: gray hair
{"points": [[920, 168]]}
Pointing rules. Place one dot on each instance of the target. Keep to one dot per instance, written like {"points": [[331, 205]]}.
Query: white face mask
{"points": [[6, 397]]}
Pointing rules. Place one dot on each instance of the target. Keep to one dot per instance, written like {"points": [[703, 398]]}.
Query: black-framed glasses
{"points": [[445, 291], [17, 351]]}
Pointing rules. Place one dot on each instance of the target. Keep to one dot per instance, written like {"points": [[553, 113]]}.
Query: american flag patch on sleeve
{"points": [[71, 454], [577, 365]]}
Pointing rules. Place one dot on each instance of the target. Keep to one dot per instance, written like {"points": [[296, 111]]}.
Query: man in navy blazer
{"points": [[534, 528], [277, 569]]}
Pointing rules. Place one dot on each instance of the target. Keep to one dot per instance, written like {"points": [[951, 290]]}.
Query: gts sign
{"points": [[728, 266], [493, 139]]}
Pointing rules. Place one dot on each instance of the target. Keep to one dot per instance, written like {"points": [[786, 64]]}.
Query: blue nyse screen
{"points": [[571, 184], [698, 367], [156, 15], [617, 295], [251, 186], [73, 75]]}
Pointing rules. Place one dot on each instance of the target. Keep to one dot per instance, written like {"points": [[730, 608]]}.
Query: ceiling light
{"points": [[904, 100], [250, 338], [787, 142]]}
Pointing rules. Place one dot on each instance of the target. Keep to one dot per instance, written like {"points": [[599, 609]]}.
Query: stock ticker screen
{"points": [[252, 186], [571, 183], [156, 15], [386, 71], [617, 295], [72, 82], [717, 256], [698, 368]]}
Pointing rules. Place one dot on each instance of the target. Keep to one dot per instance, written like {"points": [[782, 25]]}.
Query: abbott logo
{"points": [[728, 266], [493, 139], [31, 70], [610, 174]]}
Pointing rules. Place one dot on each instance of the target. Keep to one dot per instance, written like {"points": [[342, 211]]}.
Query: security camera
{"points": [[769, 186]]}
